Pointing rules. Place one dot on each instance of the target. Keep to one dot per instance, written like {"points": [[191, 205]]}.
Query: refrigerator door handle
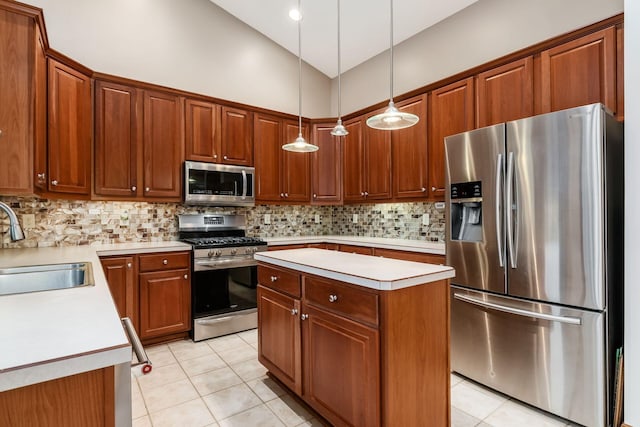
{"points": [[518, 311], [509, 202], [499, 187]]}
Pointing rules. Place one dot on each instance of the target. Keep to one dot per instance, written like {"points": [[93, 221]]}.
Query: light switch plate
{"points": [[355, 218], [29, 221], [317, 219], [267, 219], [425, 219]]}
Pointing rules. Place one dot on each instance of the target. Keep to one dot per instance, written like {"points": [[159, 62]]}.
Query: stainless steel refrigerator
{"points": [[535, 234]]}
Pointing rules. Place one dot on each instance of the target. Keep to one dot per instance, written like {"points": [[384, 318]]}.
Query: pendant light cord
{"points": [[299, 74], [391, 53], [339, 88]]}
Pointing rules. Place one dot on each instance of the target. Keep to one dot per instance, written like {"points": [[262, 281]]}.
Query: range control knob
{"points": [[214, 252], [233, 251]]}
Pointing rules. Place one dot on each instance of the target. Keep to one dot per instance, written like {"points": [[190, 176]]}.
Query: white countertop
{"points": [[52, 334], [378, 242], [363, 270]]}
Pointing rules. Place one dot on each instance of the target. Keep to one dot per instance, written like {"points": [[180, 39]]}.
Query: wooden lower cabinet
{"points": [[410, 256], [121, 276], [164, 302], [354, 249], [369, 358]]}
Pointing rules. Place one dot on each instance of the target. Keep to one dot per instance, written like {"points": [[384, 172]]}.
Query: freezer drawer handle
{"points": [[498, 213], [138, 349], [518, 311]]}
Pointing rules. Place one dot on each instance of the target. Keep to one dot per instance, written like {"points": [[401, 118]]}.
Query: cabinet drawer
{"points": [[357, 304], [410, 256], [281, 280], [354, 249], [164, 261]]}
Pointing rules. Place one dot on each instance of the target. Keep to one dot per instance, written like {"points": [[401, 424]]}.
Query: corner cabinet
{"points": [[351, 352], [120, 272]]}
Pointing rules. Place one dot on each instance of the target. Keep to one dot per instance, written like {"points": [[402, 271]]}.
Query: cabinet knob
{"points": [[333, 298], [186, 276], [366, 194], [281, 194], [165, 261], [146, 189], [362, 193], [225, 157], [286, 195], [54, 182], [423, 189], [304, 316], [129, 265], [134, 188], [41, 176], [294, 311], [274, 278], [215, 156], [0, 132], [433, 188], [315, 196]]}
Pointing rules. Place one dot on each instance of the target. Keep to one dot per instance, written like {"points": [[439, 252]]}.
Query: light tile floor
{"points": [[219, 382]]}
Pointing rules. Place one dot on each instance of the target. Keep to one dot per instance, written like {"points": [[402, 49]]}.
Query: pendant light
{"points": [[300, 145], [392, 118], [339, 129]]}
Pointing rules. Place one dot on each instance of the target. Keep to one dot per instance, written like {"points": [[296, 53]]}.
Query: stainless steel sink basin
{"points": [[36, 278]]}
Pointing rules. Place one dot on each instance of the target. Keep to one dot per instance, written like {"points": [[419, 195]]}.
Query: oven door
{"points": [[214, 184]]}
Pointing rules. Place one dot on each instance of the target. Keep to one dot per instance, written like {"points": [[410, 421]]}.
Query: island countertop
{"points": [[372, 272]]}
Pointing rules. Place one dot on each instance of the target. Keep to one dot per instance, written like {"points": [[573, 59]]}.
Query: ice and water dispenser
{"points": [[466, 211]]}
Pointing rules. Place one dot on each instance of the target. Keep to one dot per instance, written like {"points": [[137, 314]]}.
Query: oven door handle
{"points": [[244, 184], [213, 321], [207, 264]]}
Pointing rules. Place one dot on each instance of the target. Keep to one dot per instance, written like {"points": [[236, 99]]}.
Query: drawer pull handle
{"points": [[274, 278], [304, 316], [294, 311], [333, 298], [165, 262], [54, 182]]}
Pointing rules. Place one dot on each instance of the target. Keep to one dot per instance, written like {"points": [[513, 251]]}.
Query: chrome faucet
{"points": [[15, 231]]}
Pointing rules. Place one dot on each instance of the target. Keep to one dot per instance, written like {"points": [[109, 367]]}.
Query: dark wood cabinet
{"points": [[579, 72], [353, 161], [202, 131], [69, 129], [296, 167], [162, 146], [40, 120], [354, 249], [326, 166], [118, 126], [120, 272], [451, 111], [409, 153], [410, 256], [505, 93], [237, 136]]}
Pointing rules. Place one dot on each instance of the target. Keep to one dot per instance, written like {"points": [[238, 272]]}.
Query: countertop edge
{"points": [[395, 244]]}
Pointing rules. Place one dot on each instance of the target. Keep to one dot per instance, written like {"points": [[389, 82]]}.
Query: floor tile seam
{"points": [[496, 410], [274, 412], [244, 410], [480, 420]]}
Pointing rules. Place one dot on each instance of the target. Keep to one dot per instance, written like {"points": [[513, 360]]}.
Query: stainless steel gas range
{"points": [[224, 273]]}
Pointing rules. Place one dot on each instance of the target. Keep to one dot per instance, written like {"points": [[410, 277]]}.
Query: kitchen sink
{"points": [[36, 278]]}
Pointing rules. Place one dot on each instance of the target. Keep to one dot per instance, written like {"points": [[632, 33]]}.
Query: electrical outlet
{"points": [[317, 219], [425, 219], [439, 205], [355, 218], [29, 221], [267, 219]]}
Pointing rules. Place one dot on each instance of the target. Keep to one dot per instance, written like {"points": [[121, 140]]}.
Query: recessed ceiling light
{"points": [[295, 14]]}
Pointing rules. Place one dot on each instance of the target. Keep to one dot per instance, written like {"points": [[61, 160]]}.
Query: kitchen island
{"points": [[363, 340]]}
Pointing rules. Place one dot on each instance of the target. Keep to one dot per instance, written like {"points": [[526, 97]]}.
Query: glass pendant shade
{"points": [[300, 145], [339, 129]]}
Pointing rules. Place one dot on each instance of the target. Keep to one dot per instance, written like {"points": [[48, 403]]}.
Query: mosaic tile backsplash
{"points": [[77, 222]]}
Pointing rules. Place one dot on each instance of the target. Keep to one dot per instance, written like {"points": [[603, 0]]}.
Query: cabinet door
{"points": [[162, 144], [377, 152], [333, 347], [69, 143], [409, 147], [117, 129], [40, 149], [16, 108], [505, 93], [120, 274], [202, 131], [326, 166], [267, 145], [296, 167], [279, 340], [165, 302], [237, 137], [353, 161], [580, 72], [451, 111]]}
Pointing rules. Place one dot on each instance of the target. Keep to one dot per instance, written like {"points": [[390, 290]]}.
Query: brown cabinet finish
{"points": [[354, 249], [505, 93], [326, 166], [164, 261], [237, 137], [582, 71], [202, 131], [121, 277], [353, 161], [409, 153], [117, 139], [40, 146], [162, 146], [279, 339], [451, 111], [409, 256], [267, 147], [165, 302], [377, 155], [69, 135], [296, 167], [281, 280]]}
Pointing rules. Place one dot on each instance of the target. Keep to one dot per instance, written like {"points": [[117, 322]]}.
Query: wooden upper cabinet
{"points": [[202, 131], [237, 137], [353, 161], [451, 111], [582, 71], [162, 145], [505, 93], [409, 152], [326, 166], [40, 146], [296, 167], [117, 134], [377, 154], [267, 146], [69, 143]]}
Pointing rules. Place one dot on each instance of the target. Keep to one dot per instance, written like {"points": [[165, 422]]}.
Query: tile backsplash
{"points": [[79, 222]]}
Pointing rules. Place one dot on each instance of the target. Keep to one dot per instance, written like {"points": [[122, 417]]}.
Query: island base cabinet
{"points": [[341, 366]]}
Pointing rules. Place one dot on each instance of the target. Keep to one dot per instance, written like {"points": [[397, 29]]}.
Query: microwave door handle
{"points": [[244, 184]]}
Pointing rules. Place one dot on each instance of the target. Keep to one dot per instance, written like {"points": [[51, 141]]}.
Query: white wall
{"points": [[632, 207], [191, 45], [484, 31]]}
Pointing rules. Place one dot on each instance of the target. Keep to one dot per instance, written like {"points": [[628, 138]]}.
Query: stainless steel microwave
{"points": [[213, 184]]}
